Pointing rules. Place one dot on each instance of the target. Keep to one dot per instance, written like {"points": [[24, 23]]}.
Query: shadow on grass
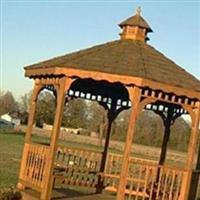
{"points": [[11, 132]]}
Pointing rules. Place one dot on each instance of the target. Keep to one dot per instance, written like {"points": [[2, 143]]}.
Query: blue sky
{"points": [[32, 31]]}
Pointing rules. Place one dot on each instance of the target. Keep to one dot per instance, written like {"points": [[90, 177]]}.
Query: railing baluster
{"points": [[165, 184], [34, 165], [32, 162], [40, 166], [159, 182], [130, 190], [146, 181], [152, 186], [138, 183], [171, 193], [179, 180]]}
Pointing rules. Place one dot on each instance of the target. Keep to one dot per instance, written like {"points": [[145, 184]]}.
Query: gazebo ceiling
{"points": [[103, 88], [130, 56]]}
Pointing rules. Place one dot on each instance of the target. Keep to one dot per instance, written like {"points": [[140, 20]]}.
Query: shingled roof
{"points": [[126, 57], [136, 20]]}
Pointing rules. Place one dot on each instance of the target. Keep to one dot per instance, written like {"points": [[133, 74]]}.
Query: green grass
{"points": [[10, 151]]}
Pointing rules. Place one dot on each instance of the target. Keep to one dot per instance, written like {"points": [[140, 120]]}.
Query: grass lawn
{"points": [[10, 151], [11, 145]]}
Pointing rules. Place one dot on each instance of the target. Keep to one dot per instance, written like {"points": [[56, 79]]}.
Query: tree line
{"points": [[92, 117]]}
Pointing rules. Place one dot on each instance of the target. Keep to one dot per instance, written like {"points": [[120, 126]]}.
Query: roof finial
{"points": [[138, 10]]}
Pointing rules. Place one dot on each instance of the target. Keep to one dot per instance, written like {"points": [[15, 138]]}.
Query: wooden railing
{"points": [[113, 169], [80, 167], [34, 164], [146, 180], [157, 182]]}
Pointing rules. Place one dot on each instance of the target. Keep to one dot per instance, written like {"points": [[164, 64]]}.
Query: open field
{"points": [[139, 150], [11, 148]]}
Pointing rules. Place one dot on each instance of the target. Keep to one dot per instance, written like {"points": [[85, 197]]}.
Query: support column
{"points": [[187, 184], [165, 143], [167, 124], [31, 116], [36, 90], [62, 87], [110, 117], [195, 177], [134, 95]]}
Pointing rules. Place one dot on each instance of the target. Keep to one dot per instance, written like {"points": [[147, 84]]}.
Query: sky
{"points": [[33, 31]]}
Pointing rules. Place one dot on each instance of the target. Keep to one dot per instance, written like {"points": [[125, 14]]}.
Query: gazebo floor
{"points": [[93, 197], [59, 195]]}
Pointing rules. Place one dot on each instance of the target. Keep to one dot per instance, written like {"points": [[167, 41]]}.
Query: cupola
{"points": [[135, 27]]}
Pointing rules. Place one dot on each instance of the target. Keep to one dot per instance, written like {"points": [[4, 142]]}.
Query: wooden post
{"points": [[105, 152], [167, 121], [36, 90], [63, 86], [195, 177], [134, 95], [165, 143], [103, 126], [167, 124], [191, 153], [106, 146]]}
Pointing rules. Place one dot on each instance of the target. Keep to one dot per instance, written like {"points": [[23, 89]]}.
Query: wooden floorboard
{"points": [[93, 197], [32, 195]]}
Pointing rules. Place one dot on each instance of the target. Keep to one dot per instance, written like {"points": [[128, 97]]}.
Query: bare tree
{"points": [[7, 103], [1, 93], [74, 114], [24, 103], [45, 108]]}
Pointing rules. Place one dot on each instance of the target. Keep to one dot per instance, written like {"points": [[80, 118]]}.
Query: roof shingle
{"points": [[136, 20], [126, 57]]}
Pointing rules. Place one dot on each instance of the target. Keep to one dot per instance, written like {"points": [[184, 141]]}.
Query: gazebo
{"points": [[124, 74]]}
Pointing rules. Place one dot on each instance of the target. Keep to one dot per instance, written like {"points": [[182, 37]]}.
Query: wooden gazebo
{"points": [[123, 74]]}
